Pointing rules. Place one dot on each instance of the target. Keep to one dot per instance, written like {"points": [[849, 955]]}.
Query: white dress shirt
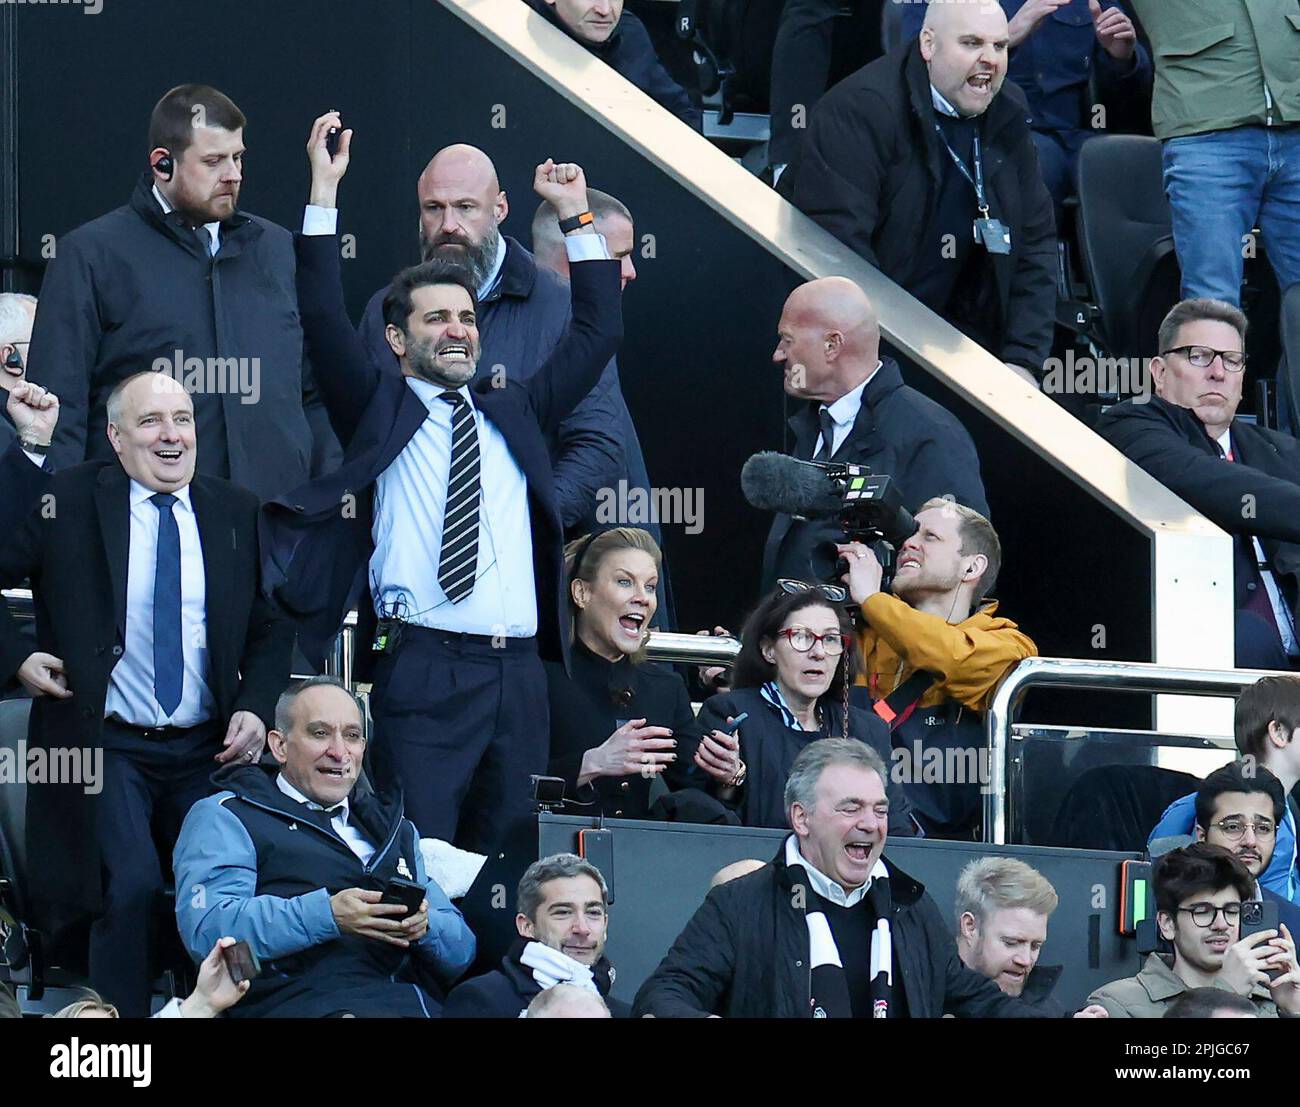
{"points": [[131, 686], [356, 841], [1281, 614], [822, 884], [843, 413], [213, 229], [411, 496]]}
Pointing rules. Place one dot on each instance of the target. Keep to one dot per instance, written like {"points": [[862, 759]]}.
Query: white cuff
{"points": [[585, 247], [318, 220], [171, 1011], [36, 459]]}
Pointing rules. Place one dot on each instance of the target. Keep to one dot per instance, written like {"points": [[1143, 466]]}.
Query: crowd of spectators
{"points": [[437, 468]]}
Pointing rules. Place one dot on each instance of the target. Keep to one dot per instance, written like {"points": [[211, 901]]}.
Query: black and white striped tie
{"points": [[459, 560]]}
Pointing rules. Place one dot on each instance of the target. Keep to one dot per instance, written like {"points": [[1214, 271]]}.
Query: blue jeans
{"points": [[1220, 187]]}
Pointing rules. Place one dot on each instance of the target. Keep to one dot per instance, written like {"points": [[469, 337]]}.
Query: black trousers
{"points": [[461, 723], [151, 779]]}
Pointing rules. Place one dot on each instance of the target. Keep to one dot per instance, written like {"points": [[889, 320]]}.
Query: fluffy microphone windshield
{"points": [[787, 486]]}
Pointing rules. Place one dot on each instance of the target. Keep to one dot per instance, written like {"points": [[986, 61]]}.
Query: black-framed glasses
{"points": [[1234, 828], [1203, 914], [802, 639], [1234, 361], [832, 592]]}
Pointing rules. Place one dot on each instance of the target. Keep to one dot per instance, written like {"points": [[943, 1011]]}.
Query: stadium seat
{"points": [[1115, 807], [1126, 244]]}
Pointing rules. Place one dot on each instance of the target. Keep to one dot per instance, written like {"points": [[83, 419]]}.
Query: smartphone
{"points": [[406, 892], [241, 962], [597, 846], [735, 723], [1257, 915], [332, 141]]}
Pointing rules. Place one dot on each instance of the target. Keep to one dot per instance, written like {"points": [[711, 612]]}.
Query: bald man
{"points": [[157, 662], [523, 313], [857, 410], [923, 163]]}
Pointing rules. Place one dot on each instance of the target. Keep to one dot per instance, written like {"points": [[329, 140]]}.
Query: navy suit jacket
{"points": [[317, 542], [20, 483]]}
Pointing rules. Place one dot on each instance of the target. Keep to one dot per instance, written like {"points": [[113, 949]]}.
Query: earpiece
{"points": [[13, 360], [165, 167]]}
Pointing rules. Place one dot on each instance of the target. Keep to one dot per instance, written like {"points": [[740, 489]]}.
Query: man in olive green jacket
{"points": [[1227, 107], [1199, 892]]}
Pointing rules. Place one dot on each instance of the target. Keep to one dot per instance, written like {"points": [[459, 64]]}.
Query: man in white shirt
{"points": [[443, 522], [857, 409], [156, 661], [1244, 478]]}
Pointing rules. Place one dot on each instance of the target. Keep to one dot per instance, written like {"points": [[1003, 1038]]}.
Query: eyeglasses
{"points": [[1203, 914], [802, 639], [1235, 828], [1234, 361], [832, 592]]}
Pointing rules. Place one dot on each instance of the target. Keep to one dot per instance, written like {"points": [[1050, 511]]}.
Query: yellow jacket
{"points": [[967, 658]]}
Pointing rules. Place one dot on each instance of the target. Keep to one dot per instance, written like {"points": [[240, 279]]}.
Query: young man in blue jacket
{"points": [[289, 858], [1266, 723]]}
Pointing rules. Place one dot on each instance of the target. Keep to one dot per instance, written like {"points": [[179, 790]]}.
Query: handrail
{"points": [[1068, 672], [1191, 558]]}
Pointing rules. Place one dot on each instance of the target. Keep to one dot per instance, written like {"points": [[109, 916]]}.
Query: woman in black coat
{"points": [[796, 659], [618, 721]]}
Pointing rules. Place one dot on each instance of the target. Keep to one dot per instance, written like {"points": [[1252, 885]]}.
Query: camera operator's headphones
{"points": [[165, 166], [13, 360]]}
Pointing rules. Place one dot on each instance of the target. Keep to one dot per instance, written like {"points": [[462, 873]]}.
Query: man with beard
{"points": [[924, 164], [442, 520], [181, 281], [1199, 891], [932, 653], [1002, 910], [523, 312], [1241, 807], [563, 923]]}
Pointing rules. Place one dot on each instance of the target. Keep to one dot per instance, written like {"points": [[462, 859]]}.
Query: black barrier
{"points": [[654, 900]]}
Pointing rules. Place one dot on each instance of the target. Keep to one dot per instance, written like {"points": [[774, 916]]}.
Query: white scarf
{"points": [[551, 967]]}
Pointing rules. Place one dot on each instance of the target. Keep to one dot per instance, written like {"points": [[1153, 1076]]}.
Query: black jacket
{"points": [[629, 52], [744, 954], [870, 170], [768, 747], [1171, 444], [316, 555], [505, 993], [20, 483], [77, 561], [136, 287], [898, 432], [519, 325], [599, 697], [1038, 992]]}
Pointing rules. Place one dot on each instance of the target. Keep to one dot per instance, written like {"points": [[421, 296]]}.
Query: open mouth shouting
{"points": [[981, 84], [859, 850], [631, 625], [455, 353]]}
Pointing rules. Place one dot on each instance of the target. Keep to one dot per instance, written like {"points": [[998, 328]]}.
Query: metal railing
{"points": [[1101, 676]]}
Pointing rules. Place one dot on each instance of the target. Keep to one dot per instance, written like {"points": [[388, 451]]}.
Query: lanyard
{"points": [[976, 182]]}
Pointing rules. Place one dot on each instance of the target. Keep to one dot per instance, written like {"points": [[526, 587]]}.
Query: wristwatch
{"points": [[39, 448]]}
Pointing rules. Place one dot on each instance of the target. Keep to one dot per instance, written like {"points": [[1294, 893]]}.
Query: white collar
{"points": [[213, 229], [822, 884], [293, 793], [139, 493], [845, 409], [1225, 441], [941, 104], [429, 392], [490, 281]]}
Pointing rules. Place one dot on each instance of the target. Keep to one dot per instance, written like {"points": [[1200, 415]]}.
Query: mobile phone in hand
{"points": [[241, 962], [332, 141], [406, 892]]}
